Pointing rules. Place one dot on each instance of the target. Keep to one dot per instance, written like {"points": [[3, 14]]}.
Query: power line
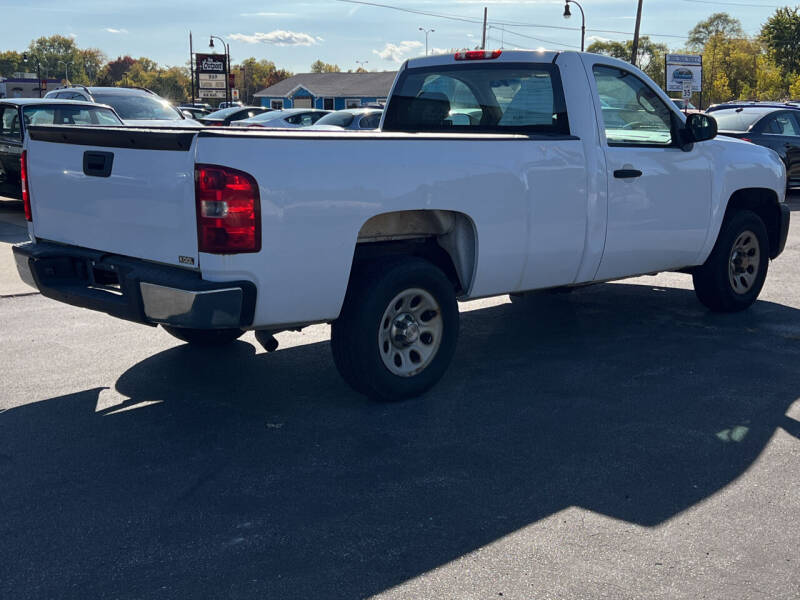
{"points": [[734, 4], [506, 23]]}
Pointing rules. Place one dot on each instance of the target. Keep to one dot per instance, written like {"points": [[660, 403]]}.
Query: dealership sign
{"points": [[210, 63], [682, 69]]}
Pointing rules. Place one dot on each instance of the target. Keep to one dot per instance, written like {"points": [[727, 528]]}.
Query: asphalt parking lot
{"points": [[617, 442]]}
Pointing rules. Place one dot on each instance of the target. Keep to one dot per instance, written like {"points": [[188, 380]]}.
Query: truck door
{"points": [[659, 196]]}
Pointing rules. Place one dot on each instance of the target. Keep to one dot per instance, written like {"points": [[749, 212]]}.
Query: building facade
{"points": [[26, 85], [328, 91]]}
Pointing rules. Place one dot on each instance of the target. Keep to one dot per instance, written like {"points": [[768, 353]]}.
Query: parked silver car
{"points": [[291, 118], [350, 119], [135, 106]]}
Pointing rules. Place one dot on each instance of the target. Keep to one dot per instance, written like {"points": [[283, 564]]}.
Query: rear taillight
{"points": [[228, 210], [26, 194], [746, 140], [478, 54]]}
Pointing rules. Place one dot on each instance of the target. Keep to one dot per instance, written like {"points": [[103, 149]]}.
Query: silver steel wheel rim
{"points": [[410, 332], [744, 262]]}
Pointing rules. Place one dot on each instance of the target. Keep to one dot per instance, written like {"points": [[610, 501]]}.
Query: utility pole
{"points": [[191, 65], [635, 50], [483, 39]]}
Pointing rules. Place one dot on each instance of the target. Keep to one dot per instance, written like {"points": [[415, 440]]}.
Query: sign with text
{"points": [[211, 77], [212, 85], [210, 63], [204, 93], [683, 68]]}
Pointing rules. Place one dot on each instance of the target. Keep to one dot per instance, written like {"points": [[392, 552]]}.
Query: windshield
{"points": [[139, 108], [66, 114], [735, 119], [341, 119]]}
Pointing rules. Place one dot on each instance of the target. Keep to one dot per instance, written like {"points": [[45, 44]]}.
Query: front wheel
{"points": [[732, 277], [398, 329], [204, 337]]}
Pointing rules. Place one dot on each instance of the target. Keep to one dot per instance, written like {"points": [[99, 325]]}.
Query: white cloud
{"points": [[397, 52], [72, 35], [277, 38], [112, 30]]}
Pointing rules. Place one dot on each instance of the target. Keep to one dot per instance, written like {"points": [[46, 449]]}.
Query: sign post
{"points": [[682, 71]]}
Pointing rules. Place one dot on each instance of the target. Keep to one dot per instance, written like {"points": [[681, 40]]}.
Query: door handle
{"points": [[98, 164], [627, 173]]}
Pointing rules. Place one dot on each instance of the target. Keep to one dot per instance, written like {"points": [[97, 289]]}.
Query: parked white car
{"points": [[495, 172], [290, 118], [352, 119], [135, 106]]}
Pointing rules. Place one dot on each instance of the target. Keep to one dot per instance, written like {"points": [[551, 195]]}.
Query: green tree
{"points": [[717, 24], [10, 63], [253, 75], [58, 55], [650, 55], [322, 67], [781, 36]]}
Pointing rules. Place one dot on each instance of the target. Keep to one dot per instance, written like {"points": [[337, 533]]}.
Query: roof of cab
{"points": [[538, 56]]}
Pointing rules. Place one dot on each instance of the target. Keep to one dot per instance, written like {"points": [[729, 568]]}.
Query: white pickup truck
{"points": [[494, 172]]}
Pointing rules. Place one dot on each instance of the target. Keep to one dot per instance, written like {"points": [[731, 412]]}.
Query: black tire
{"points": [[204, 337], [724, 286], [356, 334]]}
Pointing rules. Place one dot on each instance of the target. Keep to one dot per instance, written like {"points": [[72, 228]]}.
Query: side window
{"points": [[9, 122], [294, 119], [782, 124], [276, 104], [633, 114], [501, 98], [370, 121]]}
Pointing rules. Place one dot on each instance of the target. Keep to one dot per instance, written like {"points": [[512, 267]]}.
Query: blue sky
{"points": [[295, 33]]}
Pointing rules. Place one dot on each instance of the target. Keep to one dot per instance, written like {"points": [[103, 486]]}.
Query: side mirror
{"points": [[699, 128], [188, 114]]}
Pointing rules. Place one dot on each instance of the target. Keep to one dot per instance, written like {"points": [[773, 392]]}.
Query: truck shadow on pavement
{"points": [[231, 474]]}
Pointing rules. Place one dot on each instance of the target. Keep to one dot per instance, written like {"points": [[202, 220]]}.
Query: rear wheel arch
{"points": [[447, 239]]}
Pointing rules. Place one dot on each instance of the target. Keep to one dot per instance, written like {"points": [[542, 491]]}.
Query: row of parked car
{"points": [[110, 106]]}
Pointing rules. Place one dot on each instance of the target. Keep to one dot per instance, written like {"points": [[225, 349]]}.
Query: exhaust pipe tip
{"points": [[267, 340]]}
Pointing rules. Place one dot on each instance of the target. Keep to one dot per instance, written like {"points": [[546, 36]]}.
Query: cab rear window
{"points": [[501, 98]]}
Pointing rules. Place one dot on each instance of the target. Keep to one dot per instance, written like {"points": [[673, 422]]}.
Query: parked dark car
{"points": [[226, 116], [16, 114], [752, 104], [775, 128]]}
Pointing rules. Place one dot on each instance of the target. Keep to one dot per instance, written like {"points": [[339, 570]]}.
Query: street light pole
{"points": [[427, 31], [38, 70], [226, 48], [568, 14], [360, 64], [66, 71], [635, 49]]}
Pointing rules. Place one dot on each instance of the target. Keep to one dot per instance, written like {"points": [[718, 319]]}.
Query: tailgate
{"points": [[118, 190]]}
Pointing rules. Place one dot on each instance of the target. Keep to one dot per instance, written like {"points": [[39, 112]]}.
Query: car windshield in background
{"points": [[66, 114], [370, 121], [733, 119], [139, 107], [476, 98], [340, 119]]}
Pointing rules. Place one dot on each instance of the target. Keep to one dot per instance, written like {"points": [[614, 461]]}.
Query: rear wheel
{"points": [[732, 277], [204, 337], [398, 328]]}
